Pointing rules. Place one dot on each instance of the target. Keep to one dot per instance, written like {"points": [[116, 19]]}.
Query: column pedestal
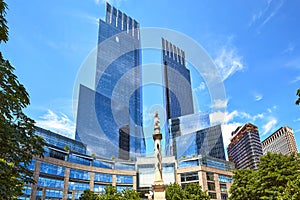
{"points": [[159, 191]]}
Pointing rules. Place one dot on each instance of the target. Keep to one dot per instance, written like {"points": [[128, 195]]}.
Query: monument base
{"points": [[159, 191]]}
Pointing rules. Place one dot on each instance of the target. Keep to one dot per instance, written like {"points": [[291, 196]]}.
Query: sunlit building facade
{"points": [[116, 101], [281, 141], [245, 148], [177, 81], [66, 171]]}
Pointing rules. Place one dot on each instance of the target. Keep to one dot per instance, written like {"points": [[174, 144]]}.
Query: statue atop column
{"points": [[156, 123], [158, 185]]}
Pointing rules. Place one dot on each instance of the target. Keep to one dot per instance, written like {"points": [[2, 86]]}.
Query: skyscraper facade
{"points": [[117, 100], [281, 141], [206, 142], [185, 125], [245, 147], [178, 90], [177, 81]]}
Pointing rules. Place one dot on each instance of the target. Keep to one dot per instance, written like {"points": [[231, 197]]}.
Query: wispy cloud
{"points": [[229, 117], [293, 63], [258, 97], [228, 62], [219, 103], [289, 49], [263, 16], [227, 129], [58, 123], [296, 120], [296, 79], [200, 87], [269, 126]]}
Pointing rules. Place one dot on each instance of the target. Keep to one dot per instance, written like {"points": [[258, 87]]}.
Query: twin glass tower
{"points": [[109, 118]]}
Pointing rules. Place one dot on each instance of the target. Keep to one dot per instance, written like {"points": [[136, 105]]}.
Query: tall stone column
{"points": [[158, 186]]}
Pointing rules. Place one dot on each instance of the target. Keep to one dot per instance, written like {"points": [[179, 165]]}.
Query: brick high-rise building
{"points": [[245, 147]]}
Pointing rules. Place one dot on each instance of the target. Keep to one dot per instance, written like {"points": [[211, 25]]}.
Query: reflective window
{"points": [[52, 183], [31, 165], [80, 160], [102, 164], [79, 174], [211, 186], [26, 190], [60, 141], [189, 163], [121, 166], [54, 154], [189, 177], [212, 195], [120, 188], [52, 169], [224, 196], [124, 179], [54, 194], [224, 178], [210, 176], [107, 178], [223, 187], [99, 188], [78, 186]]}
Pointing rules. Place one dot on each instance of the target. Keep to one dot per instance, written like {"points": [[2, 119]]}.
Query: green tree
{"points": [[277, 177], [298, 94], [18, 144], [192, 191], [110, 193], [130, 194], [174, 192], [244, 186], [88, 195]]}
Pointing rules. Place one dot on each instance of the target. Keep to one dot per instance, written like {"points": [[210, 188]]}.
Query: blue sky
{"points": [[255, 45]]}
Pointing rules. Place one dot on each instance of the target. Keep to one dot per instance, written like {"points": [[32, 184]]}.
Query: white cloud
{"points": [[296, 79], [228, 62], [219, 103], [226, 117], [58, 123], [296, 120], [269, 126], [263, 16], [201, 87], [227, 129], [258, 97]]}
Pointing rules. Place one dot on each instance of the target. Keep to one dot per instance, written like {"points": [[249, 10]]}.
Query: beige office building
{"points": [[281, 141]]}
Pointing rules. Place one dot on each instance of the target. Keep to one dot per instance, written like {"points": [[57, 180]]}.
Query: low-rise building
{"points": [[66, 171]]}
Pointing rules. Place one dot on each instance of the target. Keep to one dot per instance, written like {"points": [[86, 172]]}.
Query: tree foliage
{"points": [[88, 195], [111, 194], [192, 191], [277, 177], [298, 94], [18, 144]]}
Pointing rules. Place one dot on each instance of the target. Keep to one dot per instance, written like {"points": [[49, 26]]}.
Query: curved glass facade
{"points": [[111, 115], [79, 174]]}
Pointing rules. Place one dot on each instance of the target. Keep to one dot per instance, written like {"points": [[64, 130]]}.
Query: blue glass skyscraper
{"points": [[116, 103], [178, 90], [177, 81]]}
